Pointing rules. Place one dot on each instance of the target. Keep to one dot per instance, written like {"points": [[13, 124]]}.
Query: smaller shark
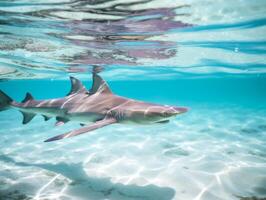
{"points": [[97, 105]]}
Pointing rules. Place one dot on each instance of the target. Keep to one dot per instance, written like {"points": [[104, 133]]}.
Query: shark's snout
{"points": [[180, 110], [172, 111]]}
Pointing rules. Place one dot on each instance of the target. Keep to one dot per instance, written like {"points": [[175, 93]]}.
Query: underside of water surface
{"points": [[208, 56]]}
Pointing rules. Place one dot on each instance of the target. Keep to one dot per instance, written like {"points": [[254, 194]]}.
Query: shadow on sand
{"points": [[88, 187]]}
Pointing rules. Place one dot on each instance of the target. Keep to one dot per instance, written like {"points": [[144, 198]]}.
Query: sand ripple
{"points": [[206, 154]]}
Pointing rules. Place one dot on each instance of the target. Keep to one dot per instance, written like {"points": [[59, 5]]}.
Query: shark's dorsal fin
{"points": [[99, 85], [28, 97], [27, 117], [76, 86]]}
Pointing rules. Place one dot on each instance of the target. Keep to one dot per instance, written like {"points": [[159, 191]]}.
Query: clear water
{"points": [[206, 55]]}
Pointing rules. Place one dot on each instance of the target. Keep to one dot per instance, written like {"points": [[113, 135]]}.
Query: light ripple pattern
{"points": [[47, 39], [209, 154], [206, 55]]}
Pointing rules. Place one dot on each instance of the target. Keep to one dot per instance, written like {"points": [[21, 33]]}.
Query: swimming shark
{"points": [[94, 108]]}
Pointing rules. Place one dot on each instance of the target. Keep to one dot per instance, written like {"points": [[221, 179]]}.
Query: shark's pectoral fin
{"points": [[27, 117], [84, 129]]}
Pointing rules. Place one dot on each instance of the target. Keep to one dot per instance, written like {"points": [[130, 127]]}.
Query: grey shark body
{"points": [[93, 108]]}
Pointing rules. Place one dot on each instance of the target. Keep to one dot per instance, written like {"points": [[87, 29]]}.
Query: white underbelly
{"points": [[84, 118]]}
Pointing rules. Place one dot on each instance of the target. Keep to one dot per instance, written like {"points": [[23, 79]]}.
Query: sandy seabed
{"points": [[209, 153]]}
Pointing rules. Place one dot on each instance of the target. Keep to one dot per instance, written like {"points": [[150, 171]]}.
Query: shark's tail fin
{"points": [[4, 101]]}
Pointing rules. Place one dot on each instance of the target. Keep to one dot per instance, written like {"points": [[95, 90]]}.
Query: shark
{"points": [[93, 109]]}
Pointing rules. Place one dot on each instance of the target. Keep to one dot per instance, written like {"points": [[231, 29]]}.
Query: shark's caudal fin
{"points": [[4, 101], [76, 86], [99, 85], [84, 129]]}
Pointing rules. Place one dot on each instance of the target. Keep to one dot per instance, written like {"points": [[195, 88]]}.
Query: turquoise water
{"points": [[208, 56]]}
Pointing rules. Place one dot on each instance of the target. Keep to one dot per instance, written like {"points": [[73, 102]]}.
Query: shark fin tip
{"points": [[99, 85], [28, 97], [76, 86], [46, 118], [27, 117], [48, 140]]}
